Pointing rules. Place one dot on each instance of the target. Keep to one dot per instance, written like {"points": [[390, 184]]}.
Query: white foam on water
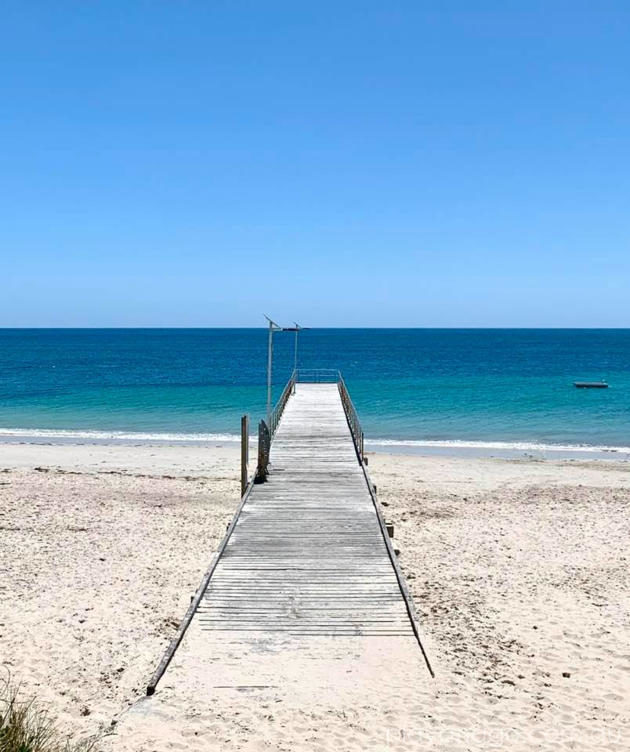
{"points": [[24, 434], [516, 446], [37, 435]]}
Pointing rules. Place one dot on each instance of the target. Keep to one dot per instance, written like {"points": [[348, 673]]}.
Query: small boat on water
{"points": [[591, 384]]}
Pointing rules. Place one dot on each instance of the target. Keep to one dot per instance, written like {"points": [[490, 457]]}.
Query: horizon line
{"points": [[264, 327]]}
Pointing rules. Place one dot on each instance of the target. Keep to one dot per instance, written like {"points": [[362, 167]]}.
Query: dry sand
{"points": [[518, 570]]}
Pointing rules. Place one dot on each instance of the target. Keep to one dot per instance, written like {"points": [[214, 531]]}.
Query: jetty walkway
{"points": [[307, 553]]}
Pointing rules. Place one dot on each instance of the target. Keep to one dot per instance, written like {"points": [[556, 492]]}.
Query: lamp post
{"points": [[273, 327]]}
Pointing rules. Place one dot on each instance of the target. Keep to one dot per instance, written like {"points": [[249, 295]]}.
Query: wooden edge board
{"points": [[411, 609], [402, 584], [194, 603]]}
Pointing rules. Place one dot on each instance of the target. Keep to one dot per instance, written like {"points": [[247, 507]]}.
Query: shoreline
{"points": [[414, 447]]}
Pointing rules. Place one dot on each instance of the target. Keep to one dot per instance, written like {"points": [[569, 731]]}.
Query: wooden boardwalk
{"points": [[307, 555]]}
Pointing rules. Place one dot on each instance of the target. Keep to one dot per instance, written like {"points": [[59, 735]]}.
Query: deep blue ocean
{"points": [[413, 385]]}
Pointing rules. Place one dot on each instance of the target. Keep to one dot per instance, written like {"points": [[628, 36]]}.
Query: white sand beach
{"points": [[518, 568]]}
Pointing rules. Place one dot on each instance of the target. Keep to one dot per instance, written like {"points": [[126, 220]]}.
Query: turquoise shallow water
{"points": [[408, 385]]}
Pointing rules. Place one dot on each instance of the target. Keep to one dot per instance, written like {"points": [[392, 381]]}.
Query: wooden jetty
{"points": [[307, 553]]}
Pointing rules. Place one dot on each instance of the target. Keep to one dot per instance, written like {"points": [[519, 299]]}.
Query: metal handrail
{"points": [[318, 375], [352, 417], [277, 411], [266, 432]]}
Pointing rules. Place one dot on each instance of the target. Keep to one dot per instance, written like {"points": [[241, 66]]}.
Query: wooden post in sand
{"points": [[244, 452]]}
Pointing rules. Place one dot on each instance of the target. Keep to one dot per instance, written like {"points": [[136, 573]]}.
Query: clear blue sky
{"points": [[340, 163]]}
